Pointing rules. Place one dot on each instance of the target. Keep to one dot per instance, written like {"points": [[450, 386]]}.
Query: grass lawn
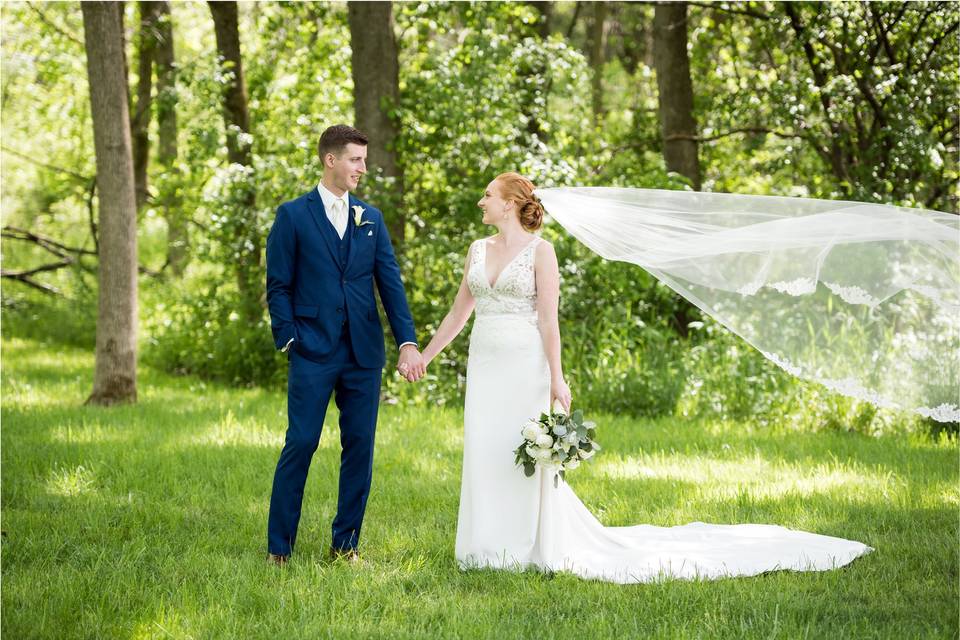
{"points": [[149, 521]]}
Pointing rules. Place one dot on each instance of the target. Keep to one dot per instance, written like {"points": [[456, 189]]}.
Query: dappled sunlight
{"points": [[856, 486], [434, 467], [21, 392], [728, 478], [949, 494], [260, 507], [399, 427], [40, 357], [168, 624], [231, 431], [71, 481], [89, 433], [689, 468]]}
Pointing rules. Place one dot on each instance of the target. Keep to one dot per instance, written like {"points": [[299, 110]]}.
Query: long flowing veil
{"points": [[862, 298]]}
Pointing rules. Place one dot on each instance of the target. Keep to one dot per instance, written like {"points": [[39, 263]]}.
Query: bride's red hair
{"points": [[515, 187]]}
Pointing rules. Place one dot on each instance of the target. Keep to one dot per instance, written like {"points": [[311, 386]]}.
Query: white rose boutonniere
{"points": [[358, 216]]}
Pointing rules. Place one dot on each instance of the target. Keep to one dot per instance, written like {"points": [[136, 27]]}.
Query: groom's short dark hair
{"points": [[335, 139]]}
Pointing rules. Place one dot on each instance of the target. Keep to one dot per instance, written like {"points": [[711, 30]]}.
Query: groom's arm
{"points": [[281, 261], [386, 271]]}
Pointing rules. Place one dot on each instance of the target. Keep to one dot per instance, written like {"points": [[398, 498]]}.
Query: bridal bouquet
{"points": [[557, 441]]}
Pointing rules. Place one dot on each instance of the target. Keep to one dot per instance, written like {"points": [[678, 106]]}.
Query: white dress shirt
{"points": [[329, 202]]}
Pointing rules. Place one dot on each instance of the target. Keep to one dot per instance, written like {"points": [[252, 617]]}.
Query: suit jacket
{"points": [[310, 294]]}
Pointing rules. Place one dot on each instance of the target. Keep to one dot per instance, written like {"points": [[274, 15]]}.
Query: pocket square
{"points": [[370, 233]]}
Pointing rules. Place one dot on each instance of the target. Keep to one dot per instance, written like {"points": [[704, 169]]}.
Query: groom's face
{"points": [[345, 170]]}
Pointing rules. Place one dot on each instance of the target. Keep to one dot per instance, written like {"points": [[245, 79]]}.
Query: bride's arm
{"points": [[548, 304], [454, 321]]}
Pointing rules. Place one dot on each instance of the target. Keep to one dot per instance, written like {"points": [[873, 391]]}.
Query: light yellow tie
{"points": [[339, 217]]}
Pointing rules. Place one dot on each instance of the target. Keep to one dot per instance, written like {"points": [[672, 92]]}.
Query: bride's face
{"points": [[492, 205]]}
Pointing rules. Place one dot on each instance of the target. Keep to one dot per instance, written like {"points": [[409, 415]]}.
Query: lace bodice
{"points": [[515, 290]]}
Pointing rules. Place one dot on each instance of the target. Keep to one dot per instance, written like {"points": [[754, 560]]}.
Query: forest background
{"points": [[226, 102]]}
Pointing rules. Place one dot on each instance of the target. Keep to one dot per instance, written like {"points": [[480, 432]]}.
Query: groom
{"points": [[325, 251]]}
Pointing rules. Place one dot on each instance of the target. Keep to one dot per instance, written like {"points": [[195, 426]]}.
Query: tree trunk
{"points": [[545, 10], [376, 91], [597, 31], [146, 44], [177, 239], [115, 375], [532, 87], [677, 124], [237, 121], [121, 8]]}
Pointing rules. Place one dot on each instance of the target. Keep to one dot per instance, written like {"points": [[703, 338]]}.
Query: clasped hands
{"points": [[411, 365]]}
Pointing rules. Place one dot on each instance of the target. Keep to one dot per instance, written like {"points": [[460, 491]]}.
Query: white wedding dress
{"points": [[509, 521]]}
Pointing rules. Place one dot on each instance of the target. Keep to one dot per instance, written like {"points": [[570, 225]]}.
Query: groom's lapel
{"points": [[352, 229], [315, 204]]}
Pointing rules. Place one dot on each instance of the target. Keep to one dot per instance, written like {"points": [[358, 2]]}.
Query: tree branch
{"points": [[933, 8], [27, 280], [46, 242], [68, 255], [53, 266], [835, 154], [936, 43], [775, 132], [573, 20], [24, 156], [724, 7], [50, 24]]}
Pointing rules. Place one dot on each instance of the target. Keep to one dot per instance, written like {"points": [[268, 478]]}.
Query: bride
{"points": [[510, 521]]}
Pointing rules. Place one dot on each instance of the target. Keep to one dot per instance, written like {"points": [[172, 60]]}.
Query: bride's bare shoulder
{"points": [[472, 248], [544, 252], [479, 241], [543, 245]]}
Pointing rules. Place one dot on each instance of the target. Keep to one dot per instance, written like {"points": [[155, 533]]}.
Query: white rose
{"points": [[572, 464], [531, 451], [531, 430], [586, 454], [544, 454], [543, 440]]}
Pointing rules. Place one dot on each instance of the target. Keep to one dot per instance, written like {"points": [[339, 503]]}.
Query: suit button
{"points": [[339, 309]]}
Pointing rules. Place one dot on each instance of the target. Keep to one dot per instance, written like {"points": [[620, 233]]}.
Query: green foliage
{"points": [[201, 332], [836, 100], [481, 93], [730, 380], [35, 316]]}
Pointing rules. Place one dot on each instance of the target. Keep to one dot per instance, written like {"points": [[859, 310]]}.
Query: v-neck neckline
{"points": [[496, 280]]}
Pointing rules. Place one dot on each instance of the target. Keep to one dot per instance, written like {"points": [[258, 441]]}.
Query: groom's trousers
{"points": [[357, 394]]}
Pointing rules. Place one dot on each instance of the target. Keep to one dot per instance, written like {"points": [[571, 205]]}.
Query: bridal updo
{"points": [[515, 187]]}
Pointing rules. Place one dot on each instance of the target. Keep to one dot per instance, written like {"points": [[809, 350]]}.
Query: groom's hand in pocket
{"points": [[411, 365]]}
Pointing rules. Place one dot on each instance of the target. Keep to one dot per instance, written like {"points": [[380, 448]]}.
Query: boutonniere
{"points": [[358, 216]]}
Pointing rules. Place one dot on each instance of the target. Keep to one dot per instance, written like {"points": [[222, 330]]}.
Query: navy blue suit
{"points": [[320, 293]]}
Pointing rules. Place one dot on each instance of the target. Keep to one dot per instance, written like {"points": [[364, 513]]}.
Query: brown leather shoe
{"points": [[347, 555], [277, 560]]}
